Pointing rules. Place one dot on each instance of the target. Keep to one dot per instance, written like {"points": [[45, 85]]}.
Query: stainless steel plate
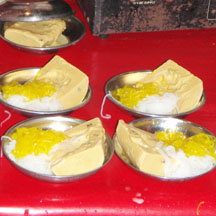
{"points": [[37, 10], [160, 124], [131, 78], [59, 123], [74, 32], [22, 76]]}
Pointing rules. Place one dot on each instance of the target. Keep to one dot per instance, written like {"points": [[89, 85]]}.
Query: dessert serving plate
{"points": [[131, 78], [58, 123], [22, 76]]}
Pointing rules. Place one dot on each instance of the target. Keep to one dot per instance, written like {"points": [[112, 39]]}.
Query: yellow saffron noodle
{"points": [[35, 141], [131, 95], [200, 145], [32, 89]]}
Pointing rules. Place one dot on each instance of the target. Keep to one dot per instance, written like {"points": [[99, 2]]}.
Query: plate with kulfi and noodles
{"points": [[58, 148], [165, 148], [56, 88], [169, 90]]}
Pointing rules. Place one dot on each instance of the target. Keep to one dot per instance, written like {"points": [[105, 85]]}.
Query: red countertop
{"points": [[112, 190]]}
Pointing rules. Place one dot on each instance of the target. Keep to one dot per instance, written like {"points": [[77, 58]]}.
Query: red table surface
{"points": [[112, 190]]}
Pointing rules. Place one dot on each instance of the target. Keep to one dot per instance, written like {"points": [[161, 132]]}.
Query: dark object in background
{"points": [[117, 16]]}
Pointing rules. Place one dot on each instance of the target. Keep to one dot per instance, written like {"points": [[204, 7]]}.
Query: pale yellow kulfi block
{"points": [[36, 34]]}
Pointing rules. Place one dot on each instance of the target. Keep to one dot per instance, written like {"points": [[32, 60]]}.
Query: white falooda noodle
{"points": [[39, 163], [156, 104], [178, 165], [43, 104]]}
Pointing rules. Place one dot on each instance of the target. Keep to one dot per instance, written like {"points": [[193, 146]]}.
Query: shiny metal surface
{"points": [[22, 76], [37, 10], [74, 32], [160, 124], [58, 123], [132, 77]]}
